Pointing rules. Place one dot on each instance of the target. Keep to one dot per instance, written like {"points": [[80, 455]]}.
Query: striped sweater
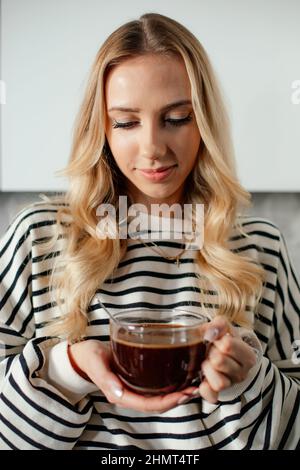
{"points": [[40, 412]]}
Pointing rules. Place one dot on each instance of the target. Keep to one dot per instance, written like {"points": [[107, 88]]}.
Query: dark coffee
{"points": [[157, 367]]}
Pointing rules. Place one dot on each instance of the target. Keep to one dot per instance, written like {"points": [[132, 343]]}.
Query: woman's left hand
{"points": [[228, 360]]}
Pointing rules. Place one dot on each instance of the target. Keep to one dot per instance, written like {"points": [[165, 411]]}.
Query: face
{"points": [[154, 139]]}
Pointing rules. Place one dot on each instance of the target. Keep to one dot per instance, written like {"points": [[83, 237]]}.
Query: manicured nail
{"points": [[211, 334], [116, 390]]}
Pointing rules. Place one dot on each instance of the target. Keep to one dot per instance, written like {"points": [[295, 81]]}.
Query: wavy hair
{"points": [[87, 261]]}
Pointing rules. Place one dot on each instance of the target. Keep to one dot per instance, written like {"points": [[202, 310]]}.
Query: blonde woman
{"points": [[152, 127]]}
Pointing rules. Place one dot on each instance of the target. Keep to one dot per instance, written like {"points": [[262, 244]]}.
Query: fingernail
{"points": [[116, 390], [211, 334]]}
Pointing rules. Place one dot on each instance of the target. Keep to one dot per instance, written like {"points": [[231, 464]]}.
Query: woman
{"points": [[152, 127]]}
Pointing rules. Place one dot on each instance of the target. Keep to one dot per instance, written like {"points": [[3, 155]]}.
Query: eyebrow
{"points": [[165, 108]]}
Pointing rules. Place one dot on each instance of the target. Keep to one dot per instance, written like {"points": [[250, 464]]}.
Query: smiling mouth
{"points": [[159, 174], [157, 170]]}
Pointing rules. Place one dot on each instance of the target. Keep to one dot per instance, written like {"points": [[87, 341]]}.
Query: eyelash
{"points": [[173, 122]]}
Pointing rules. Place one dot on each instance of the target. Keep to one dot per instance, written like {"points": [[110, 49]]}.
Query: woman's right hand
{"points": [[94, 358]]}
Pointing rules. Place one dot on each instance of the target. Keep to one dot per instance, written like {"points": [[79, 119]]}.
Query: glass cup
{"points": [[157, 351]]}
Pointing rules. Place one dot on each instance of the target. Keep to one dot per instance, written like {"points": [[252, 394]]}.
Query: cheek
{"points": [[120, 145], [123, 151], [124, 144], [194, 137], [188, 147], [195, 141]]}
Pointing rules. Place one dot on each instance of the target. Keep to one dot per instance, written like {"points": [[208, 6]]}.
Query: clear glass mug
{"points": [[157, 351]]}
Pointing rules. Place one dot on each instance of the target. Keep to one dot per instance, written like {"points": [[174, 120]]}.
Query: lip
{"points": [[158, 174]]}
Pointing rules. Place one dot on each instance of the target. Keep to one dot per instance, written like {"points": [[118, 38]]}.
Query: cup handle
{"points": [[197, 380]]}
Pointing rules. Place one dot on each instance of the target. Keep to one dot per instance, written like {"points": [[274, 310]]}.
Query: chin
{"points": [[159, 198]]}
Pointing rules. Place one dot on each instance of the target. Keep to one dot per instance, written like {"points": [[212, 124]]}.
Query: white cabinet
{"points": [[48, 46]]}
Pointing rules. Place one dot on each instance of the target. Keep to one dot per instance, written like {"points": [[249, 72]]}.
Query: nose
{"points": [[152, 143]]}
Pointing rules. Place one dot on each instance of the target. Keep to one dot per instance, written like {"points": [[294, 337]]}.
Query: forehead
{"points": [[145, 78]]}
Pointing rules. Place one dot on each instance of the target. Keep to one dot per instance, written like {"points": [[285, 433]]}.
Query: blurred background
{"points": [[47, 49]]}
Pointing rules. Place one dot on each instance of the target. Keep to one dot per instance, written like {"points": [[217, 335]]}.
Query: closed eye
{"points": [[172, 122]]}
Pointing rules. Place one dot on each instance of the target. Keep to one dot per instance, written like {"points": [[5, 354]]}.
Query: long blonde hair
{"points": [[87, 261]]}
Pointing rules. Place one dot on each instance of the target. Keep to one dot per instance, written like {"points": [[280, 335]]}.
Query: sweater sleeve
{"points": [[59, 371], [268, 401], [282, 361], [34, 414]]}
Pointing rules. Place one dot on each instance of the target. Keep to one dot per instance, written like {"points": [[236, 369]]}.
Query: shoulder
{"points": [[36, 212], [33, 221], [257, 237], [254, 225], [257, 229]]}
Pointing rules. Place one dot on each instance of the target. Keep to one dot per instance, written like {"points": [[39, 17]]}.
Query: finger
{"points": [[155, 404], [223, 363], [118, 394], [207, 393], [216, 380], [217, 328], [237, 349], [101, 374]]}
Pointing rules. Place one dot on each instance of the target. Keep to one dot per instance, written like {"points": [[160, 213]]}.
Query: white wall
{"points": [[47, 47]]}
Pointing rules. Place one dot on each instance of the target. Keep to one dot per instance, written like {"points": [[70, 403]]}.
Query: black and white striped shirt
{"points": [[260, 413]]}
